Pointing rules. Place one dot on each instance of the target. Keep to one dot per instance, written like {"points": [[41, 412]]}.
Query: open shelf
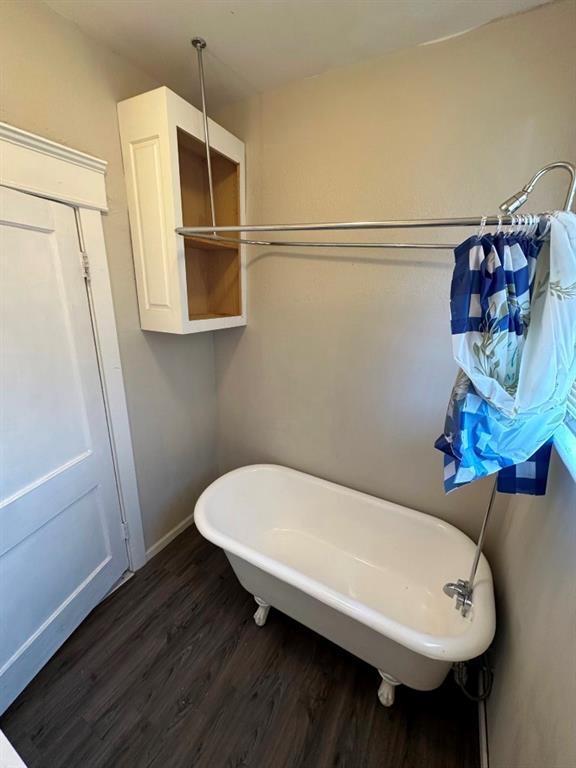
{"points": [[208, 245], [213, 276], [212, 282]]}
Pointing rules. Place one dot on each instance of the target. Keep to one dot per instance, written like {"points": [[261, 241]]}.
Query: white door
{"points": [[61, 536]]}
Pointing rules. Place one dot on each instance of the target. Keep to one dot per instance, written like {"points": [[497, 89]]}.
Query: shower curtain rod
{"points": [[507, 218], [212, 234]]}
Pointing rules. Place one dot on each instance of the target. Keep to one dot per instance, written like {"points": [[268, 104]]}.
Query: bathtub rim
{"points": [[467, 645]]}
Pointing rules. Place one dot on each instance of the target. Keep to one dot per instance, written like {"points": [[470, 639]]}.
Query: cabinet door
{"points": [[61, 540]]}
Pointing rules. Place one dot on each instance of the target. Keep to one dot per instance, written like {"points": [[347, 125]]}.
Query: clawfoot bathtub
{"points": [[365, 573]]}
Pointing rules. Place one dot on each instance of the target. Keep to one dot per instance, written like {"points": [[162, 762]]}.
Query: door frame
{"points": [[38, 166]]}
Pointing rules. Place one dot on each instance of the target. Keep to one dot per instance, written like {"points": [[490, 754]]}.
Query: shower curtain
{"points": [[513, 319]]}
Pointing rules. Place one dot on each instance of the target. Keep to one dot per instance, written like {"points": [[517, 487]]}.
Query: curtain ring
{"points": [[537, 221], [482, 226], [547, 227]]}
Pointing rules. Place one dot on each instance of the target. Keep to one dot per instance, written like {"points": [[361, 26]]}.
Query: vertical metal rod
{"points": [[199, 43], [463, 590], [480, 542]]}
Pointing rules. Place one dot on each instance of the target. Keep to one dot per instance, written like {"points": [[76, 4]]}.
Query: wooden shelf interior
{"points": [[213, 274], [212, 282], [210, 245]]}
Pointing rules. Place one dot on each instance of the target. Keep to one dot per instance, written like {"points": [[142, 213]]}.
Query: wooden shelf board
{"points": [[211, 316], [209, 245]]}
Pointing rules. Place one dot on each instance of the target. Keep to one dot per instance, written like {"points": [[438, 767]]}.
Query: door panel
{"points": [[43, 394], [37, 592], [61, 540]]}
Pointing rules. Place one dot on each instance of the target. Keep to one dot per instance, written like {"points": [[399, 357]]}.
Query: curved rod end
{"points": [[516, 201]]}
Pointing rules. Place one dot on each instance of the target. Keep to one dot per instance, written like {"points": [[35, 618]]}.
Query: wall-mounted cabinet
{"points": [[185, 285]]}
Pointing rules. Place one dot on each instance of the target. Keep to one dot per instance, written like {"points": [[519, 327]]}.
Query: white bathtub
{"points": [[363, 572]]}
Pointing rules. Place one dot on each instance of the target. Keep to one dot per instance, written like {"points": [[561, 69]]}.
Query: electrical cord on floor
{"points": [[485, 678]]}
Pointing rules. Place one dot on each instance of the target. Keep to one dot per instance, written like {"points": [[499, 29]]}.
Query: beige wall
{"points": [[59, 83], [532, 549], [345, 367]]}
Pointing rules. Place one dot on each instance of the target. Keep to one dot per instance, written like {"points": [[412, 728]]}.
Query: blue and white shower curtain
{"points": [[513, 318]]}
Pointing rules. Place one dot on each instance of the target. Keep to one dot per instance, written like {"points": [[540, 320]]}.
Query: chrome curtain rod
{"points": [[212, 234], [507, 218]]}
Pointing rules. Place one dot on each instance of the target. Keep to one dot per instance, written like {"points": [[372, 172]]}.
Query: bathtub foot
{"points": [[262, 613], [387, 690]]}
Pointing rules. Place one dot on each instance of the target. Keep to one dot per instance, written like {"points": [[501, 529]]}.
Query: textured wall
{"points": [[59, 83], [532, 549], [345, 367]]}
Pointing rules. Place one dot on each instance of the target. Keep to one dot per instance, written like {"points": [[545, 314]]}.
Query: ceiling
{"points": [[257, 45]]}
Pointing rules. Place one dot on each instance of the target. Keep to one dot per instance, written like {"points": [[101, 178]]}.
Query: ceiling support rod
{"points": [[200, 44]]}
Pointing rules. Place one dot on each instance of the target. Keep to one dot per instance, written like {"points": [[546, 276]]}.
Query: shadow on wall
{"points": [[173, 417], [354, 258], [531, 544]]}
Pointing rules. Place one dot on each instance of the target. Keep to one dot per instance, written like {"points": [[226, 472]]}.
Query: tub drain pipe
{"points": [[485, 678], [463, 589]]}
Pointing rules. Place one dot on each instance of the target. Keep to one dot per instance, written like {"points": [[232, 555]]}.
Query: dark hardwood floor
{"points": [[171, 672]]}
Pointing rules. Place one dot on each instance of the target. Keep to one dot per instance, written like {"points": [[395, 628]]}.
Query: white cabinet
{"points": [[185, 285]]}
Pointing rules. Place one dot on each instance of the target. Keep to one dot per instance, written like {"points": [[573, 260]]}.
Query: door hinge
{"points": [[85, 265], [125, 531]]}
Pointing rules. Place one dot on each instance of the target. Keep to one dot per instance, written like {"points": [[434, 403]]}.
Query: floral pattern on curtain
{"points": [[513, 320]]}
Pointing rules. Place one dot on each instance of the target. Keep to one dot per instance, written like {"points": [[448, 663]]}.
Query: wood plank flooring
{"points": [[171, 672]]}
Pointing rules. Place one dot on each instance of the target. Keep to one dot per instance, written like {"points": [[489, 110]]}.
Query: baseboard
{"points": [[126, 576], [483, 734], [168, 537]]}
